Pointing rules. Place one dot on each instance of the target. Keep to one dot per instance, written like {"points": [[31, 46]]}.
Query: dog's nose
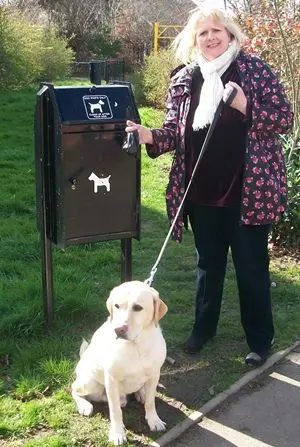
{"points": [[121, 331]]}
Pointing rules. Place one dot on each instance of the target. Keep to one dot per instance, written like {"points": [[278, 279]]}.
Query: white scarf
{"points": [[212, 88]]}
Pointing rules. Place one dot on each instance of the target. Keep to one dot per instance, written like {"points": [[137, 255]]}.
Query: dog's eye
{"points": [[137, 308], [117, 306]]}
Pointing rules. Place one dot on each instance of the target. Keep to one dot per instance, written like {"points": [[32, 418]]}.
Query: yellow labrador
{"points": [[124, 356]]}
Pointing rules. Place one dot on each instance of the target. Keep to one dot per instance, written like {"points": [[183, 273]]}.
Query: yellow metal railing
{"points": [[164, 32]]}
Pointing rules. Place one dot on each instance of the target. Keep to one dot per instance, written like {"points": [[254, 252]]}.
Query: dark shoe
{"points": [[194, 344], [256, 359]]}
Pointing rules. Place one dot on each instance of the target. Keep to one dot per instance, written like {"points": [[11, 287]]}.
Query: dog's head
{"points": [[134, 306]]}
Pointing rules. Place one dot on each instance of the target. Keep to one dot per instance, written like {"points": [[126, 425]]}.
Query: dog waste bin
{"points": [[88, 180], [92, 185]]}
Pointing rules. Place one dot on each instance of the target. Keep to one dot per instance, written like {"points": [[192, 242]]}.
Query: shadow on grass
{"points": [[134, 415]]}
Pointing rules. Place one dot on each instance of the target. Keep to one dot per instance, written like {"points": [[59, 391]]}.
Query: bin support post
{"points": [[47, 279], [46, 257], [126, 259]]}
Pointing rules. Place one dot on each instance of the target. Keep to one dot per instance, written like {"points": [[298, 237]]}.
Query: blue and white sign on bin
{"points": [[97, 107], [101, 103]]}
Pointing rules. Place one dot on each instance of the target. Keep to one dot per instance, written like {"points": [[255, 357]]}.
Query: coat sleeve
{"points": [[164, 139], [270, 110]]}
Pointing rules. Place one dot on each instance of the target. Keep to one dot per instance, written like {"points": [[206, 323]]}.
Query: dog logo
{"points": [[97, 107], [100, 181]]}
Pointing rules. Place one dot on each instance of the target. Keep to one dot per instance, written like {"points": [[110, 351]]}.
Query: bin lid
{"points": [[96, 104]]}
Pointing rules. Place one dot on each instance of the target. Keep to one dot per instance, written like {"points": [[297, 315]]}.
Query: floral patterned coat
{"points": [[264, 193]]}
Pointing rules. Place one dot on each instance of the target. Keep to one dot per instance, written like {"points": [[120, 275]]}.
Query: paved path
{"points": [[260, 410]]}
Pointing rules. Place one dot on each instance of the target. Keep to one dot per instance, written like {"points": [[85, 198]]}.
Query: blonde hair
{"points": [[185, 43]]}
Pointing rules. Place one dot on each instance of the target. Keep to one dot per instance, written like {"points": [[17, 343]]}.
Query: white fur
{"points": [[112, 367]]}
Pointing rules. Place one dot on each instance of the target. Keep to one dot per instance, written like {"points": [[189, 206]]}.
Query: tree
{"points": [[273, 33], [246, 6], [83, 23], [135, 23]]}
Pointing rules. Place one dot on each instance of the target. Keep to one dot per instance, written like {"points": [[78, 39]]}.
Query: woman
{"points": [[239, 188]]}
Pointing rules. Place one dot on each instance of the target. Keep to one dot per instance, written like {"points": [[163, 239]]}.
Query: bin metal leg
{"points": [[47, 279], [126, 260], [46, 264]]}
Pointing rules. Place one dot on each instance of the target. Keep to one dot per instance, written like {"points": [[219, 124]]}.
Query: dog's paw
{"points": [[85, 408], [140, 395], [155, 423], [117, 437]]}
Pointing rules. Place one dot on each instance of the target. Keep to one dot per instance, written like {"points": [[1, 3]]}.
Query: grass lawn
{"points": [[36, 365]]}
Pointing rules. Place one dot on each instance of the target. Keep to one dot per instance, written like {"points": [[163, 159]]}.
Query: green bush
{"points": [[136, 79], [156, 77], [55, 57], [18, 50], [287, 231], [29, 53]]}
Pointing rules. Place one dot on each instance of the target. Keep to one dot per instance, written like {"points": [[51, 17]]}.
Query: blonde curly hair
{"points": [[185, 43]]}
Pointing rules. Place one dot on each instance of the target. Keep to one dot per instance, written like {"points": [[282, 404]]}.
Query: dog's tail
{"points": [[83, 347]]}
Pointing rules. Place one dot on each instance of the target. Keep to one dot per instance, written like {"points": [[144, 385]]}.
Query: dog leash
{"points": [[227, 99]]}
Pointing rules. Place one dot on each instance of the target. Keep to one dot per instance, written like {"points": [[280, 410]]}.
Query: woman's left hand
{"points": [[240, 101]]}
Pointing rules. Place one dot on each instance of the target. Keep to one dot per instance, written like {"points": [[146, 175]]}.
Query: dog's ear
{"points": [[109, 306], [160, 308]]}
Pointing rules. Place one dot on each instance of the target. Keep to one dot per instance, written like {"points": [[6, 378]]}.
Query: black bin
{"points": [[88, 186], [97, 71]]}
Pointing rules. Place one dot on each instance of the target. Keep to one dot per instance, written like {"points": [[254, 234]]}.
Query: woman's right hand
{"points": [[145, 134]]}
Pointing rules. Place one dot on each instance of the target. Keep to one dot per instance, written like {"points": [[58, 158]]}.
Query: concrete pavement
{"points": [[262, 409]]}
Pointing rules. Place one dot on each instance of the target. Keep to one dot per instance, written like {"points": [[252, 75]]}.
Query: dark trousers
{"points": [[215, 230]]}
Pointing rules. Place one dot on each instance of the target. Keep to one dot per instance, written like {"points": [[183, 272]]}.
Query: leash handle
{"points": [[229, 94]]}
